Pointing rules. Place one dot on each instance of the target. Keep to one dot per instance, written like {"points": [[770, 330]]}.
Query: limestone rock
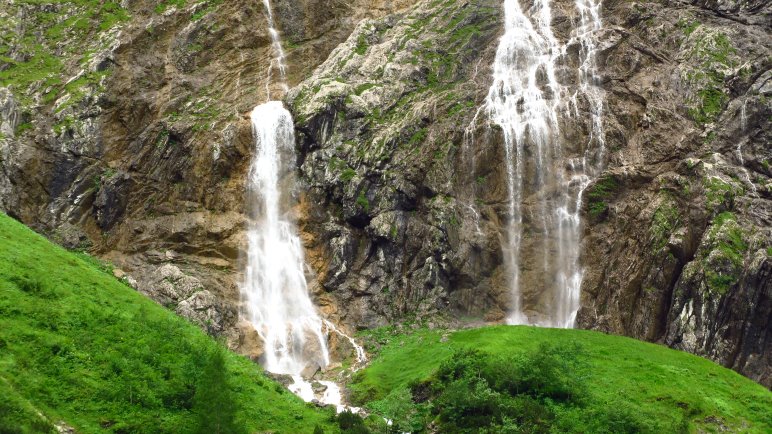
{"points": [[250, 343], [204, 309]]}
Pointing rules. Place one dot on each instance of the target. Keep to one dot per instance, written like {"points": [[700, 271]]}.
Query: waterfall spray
{"points": [[275, 287]]}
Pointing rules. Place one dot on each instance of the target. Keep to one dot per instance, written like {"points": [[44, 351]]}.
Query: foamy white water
{"points": [[275, 288], [525, 111]]}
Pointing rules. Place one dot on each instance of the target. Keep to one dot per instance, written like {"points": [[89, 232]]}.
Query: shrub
{"points": [[351, 423], [539, 392]]}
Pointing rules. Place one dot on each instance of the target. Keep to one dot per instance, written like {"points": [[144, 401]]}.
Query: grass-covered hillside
{"points": [[80, 347], [527, 379]]}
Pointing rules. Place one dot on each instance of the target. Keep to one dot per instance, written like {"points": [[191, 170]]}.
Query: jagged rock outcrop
{"points": [[136, 143], [381, 127]]}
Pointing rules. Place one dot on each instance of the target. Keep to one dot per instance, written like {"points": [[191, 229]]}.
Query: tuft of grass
{"points": [[665, 220], [717, 192], [78, 345], [348, 174], [599, 194], [362, 45], [363, 202]]}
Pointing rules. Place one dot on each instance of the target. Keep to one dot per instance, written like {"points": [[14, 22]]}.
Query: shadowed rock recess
{"points": [[124, 130]]}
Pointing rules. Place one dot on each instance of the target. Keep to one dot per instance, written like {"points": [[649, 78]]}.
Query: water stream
{"points": [[545, 181], [275, 291]]}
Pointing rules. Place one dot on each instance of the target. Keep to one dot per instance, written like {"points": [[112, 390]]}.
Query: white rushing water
{"points": [[275, 291], [524, 111], [280, 59], [526, 101]]}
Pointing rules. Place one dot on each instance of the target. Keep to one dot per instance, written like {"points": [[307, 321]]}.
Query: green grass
{"points": [[80, 346], [664, 387]]}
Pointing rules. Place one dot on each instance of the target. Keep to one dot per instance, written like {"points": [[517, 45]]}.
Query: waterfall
{"points": [[275, 287], [280, 59], [275, 291], [527, 101]]}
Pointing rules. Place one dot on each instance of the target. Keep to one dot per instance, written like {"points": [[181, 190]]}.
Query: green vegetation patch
{"points": [[599, 195], [715, 56], [78, 345], [718, 193], [723, 259], [528, 379], [665, 220], [70, 29], [362, 45]]}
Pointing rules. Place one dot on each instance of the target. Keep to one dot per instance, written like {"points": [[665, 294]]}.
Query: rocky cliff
{"points": [[124, 130]]}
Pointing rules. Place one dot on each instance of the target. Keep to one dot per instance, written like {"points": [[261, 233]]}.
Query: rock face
{"points": [[124, 130], [682, 221]]}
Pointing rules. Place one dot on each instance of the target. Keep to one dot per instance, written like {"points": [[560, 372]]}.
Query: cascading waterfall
{"points": [[280, 59], [581, 171], [526, 100], [275, 292]]}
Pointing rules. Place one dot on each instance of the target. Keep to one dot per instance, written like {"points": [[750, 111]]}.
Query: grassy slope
{"points": [[80, 346], [663, 384]]}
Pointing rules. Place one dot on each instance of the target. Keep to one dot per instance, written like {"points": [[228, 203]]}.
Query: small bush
{"points": [[351, 423], [539, 392]]}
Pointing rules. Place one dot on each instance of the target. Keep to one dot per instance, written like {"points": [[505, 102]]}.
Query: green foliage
{"points": [[348, 174], [79, 345], [710, 104], [724, 259], [665, 220], [599, 194], [22, 127], [363, 202], [164, 5], [687, 27], [17, 415], [70, 29], [714, 54], [717, 192], [477, 392], [527, 379], [206, 7], [418, 137], [364, 87], [351, 423], [362, 45]]}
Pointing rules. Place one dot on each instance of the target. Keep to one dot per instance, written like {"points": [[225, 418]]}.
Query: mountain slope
{"points": [[79, 346], [655, 388]]}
